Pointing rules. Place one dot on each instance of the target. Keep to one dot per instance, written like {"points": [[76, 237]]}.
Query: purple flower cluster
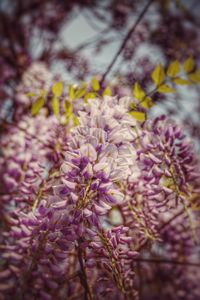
{"points": [[31, 150], [61, 236], [168, 162], [111, 250], [36, 78]]}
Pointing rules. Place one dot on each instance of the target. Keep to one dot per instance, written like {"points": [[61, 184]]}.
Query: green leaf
{"points": [[147, 102], [165, 88], [138, 92], [80, 93], [182, 81], [56, 106], [57, 89], [138, 115], [68, 108], [90, 96], [133, 105], [158, 75], [76, 120], [195, 77], [95, 84], [189, 64], [173, 69], [37, 105], [71, 92], [107, 91]]}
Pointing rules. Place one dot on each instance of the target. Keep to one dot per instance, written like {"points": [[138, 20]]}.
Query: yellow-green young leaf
{"points": [[107, 91], [57, 89], [138, 92], [95, 84], [71, 92], [173, 69], [165, 88], [56, 106], [68, 108], [195, 77], [182, 81], [76, 120], [80, 93], [138, 115], [133, 105], [147, 102], [158, 75], [31, 94], [90, 96], [189, 64], [37, 105]]}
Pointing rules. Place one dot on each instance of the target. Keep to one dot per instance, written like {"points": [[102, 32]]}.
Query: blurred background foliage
{"points": [[77, 39]]}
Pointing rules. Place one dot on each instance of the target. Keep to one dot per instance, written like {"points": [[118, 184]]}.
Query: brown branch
{"points": [[171, 219], [83, 275], [140, 285], [166, 261], [127, 37]]}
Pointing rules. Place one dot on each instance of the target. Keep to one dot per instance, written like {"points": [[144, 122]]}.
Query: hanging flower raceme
{"points": [[36, 78], [168, 163], [61, 226], [168, 172], [32, 150], [111, 251], [98, 158]]}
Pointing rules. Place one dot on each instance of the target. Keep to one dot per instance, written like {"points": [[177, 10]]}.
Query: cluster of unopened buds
{"points": [[87, 211]]}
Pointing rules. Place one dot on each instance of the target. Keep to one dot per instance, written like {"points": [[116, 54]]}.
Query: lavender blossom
{"points": [[61, 227]]}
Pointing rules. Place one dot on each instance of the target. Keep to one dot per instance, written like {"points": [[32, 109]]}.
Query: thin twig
{"points": [[83, 275], [171, 219], [166, 261], [127, 37]]}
